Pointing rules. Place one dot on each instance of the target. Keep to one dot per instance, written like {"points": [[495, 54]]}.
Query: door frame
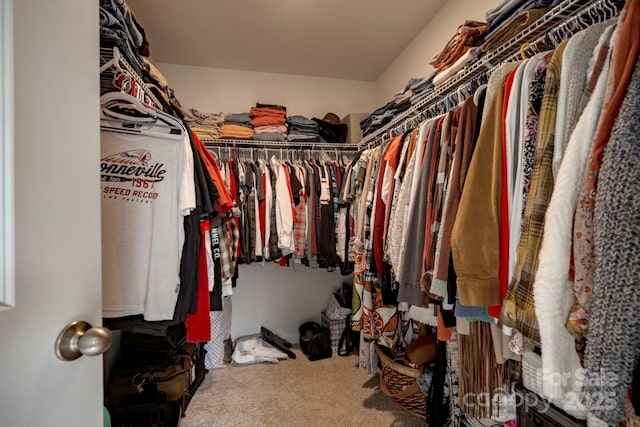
{"points": [[7, 248]]}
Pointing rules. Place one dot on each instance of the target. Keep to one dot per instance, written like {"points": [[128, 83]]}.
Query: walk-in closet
{"points": [[280, 213]]}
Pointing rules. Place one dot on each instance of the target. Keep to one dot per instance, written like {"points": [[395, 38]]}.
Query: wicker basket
{"points": [[398, 381]]}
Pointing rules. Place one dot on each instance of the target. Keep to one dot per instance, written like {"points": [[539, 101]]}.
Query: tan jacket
{"points": [[475, 240]]}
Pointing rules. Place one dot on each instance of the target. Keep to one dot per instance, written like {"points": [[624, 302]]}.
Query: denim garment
{"points": [[419, 97], [423, 84], [298, 137], [239, 118], [302, 121], [269, 137], [470, 312], [306, 132]]}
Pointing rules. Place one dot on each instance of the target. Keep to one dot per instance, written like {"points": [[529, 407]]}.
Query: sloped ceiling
{"points": [[347, 39]]}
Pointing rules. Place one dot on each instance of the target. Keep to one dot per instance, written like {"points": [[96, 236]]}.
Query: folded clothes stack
{"points": [[235, 131], [378, 118], [269, 123], [238, 119], [468, 35], [237, 126], [158, 85], [302, 129], [416, 89], [471, 40], [502, 15], [521, 21], [420, 88], [205, 125], [461, 49], [119, 28], [445, 75]]}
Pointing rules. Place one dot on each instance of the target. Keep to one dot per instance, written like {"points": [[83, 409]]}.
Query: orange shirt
{"points": [[224, 202]]}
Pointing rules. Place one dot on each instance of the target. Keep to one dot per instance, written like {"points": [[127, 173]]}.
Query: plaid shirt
{"points": [[300, 224], [518, 308]]}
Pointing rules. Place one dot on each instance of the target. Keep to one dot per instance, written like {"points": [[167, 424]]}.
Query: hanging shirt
{"points": [[147, 187]]}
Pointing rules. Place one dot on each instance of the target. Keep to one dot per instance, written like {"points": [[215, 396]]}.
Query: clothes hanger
{"points": [[121, 112], [478, 93]]}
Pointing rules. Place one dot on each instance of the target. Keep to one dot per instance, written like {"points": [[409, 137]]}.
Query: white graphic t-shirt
{"points": [[147, 185]]}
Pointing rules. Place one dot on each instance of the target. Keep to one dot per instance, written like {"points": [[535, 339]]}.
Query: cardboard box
{"points": [[352, 120]]}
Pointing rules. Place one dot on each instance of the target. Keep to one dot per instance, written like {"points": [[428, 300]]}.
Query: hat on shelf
{"points": [[331, 118]]}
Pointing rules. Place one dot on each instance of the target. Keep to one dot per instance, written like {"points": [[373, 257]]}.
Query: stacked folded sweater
{"points": [[420, 88], [205, 125], [377, 119], [468, 35], [502, 15], [462, 49], [302, 129], [270, 124], [515, 25], [416, 89], [470, 56], [119, 28], [237, 126]]}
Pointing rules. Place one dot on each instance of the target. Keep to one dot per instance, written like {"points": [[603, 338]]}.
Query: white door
{"points": [[57, 216]]}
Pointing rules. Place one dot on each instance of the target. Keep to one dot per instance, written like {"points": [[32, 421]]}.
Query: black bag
{"points": [[349, 340], [197, 354], [138, 379], [135, 382], [137, 344], [332, 132], [315, 341]]}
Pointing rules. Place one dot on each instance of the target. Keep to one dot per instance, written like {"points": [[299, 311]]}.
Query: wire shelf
{"points": [[244, 143], [116, 74], [557, 24]]}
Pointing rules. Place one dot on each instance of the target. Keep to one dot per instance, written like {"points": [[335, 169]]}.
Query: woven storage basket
{"points": [[398, 381]]}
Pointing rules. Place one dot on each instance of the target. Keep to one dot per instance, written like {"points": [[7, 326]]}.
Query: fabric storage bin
{"points": [[535, 412], [336, 327]]}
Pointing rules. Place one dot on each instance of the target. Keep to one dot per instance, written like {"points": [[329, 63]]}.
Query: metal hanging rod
{"points": [[255, 153], [242, 143], [598, 11], [559, 21]]}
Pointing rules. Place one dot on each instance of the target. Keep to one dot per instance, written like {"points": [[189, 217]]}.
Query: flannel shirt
{"points": [[518, 308], [300, 223]]}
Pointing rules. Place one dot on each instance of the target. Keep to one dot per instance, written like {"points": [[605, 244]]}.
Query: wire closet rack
{"points": [[556, 25]]}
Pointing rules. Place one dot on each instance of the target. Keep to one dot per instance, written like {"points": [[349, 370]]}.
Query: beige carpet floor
{"points": [[295, 392]]}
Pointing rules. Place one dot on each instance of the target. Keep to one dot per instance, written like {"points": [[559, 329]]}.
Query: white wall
{"points": [[272, 296], [414, 60], [57, 215], [233, 91], [280, 298]]}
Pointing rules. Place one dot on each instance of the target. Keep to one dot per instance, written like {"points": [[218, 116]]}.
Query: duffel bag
{"points": [[135, 382]]}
